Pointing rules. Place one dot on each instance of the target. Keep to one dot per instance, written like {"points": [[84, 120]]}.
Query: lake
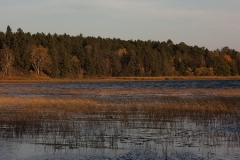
{"points": [[132, 89], [144, 132]]}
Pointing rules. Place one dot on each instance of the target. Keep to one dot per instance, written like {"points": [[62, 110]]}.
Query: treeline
{"points": [[61, 56]]}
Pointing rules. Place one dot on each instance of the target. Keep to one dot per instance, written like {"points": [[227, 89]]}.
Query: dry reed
{"points": [[73, 121], [32, 108]]}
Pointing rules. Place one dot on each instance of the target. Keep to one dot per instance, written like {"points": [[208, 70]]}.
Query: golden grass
{"points": [[37, 113], [176, 78], [171, 102], [73, 106], [131, 91], [38, 78], [39, 104]]}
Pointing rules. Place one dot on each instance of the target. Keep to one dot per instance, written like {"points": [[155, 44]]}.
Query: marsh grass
{"points": [[96, 123], [43, 78], [28, 110]]}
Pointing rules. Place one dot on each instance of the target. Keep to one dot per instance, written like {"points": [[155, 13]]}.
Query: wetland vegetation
{"points": [[121, 120]]}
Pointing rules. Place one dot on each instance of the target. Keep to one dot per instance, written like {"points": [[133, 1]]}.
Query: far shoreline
{"points": [[9, 79]]}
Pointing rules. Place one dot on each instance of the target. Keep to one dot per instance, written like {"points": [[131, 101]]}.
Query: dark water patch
{"points": [[136, 89]]}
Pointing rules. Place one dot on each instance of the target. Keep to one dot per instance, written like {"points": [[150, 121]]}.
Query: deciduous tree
{"points": [[6, 60], [39, 58]]}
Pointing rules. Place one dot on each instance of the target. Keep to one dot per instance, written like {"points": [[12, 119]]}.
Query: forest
{"points": [[65, 56]]}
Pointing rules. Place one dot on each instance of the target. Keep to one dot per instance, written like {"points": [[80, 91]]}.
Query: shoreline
{"points": [[112, 79]]}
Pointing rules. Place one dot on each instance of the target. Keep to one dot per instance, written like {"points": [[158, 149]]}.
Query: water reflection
{"points": [[113, 132], [132, 89], [182, 134]]}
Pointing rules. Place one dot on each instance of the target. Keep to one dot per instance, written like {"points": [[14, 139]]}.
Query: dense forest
{"points": [[65, 56]]}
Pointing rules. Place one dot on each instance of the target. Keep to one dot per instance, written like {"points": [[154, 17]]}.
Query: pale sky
{"points": [[206, 23]]}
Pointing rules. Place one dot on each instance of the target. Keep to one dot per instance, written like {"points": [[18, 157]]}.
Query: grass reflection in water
{"points": [[173, 124]]}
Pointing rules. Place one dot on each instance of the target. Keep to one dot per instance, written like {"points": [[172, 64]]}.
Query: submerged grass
{"points": [[155, 118], [32, 109], [97, 123]]}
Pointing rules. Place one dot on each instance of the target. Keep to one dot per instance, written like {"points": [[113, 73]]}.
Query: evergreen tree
{"points": [[89, 66], [9, 37], [22, 57], [52, 49], [2, 39], [64, 62], [72, 56]]}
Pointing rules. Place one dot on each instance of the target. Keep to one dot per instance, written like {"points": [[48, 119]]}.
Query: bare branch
{"points": [[6, 60], [39, 58]]}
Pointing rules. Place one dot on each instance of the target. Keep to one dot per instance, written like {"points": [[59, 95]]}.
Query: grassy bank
{"points": [[33, 79]]}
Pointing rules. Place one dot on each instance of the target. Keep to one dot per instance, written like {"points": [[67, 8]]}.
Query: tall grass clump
{"points": [[25, 111]]}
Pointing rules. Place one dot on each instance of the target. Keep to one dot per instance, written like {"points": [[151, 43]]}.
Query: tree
{"points": [[9, 36], [76, 66], [116, 65], [53, 52], [89, 66], [39, 58], [76, 56], [22, 57], [64, 61], [6, 59], [221, 67], [2, 39]]}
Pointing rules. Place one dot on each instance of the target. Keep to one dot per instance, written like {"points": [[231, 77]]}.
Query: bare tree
{"points": [[39, 58], [6, 60]]}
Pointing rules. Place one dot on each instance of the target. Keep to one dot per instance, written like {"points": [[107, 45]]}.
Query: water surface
{"points": [[130, 137]]}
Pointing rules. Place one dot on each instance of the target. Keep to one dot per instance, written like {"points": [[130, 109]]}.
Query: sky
{"points": [[206, 23]]}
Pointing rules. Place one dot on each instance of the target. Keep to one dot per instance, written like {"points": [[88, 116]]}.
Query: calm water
{"points": [[134, 137], [98, 89]]}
